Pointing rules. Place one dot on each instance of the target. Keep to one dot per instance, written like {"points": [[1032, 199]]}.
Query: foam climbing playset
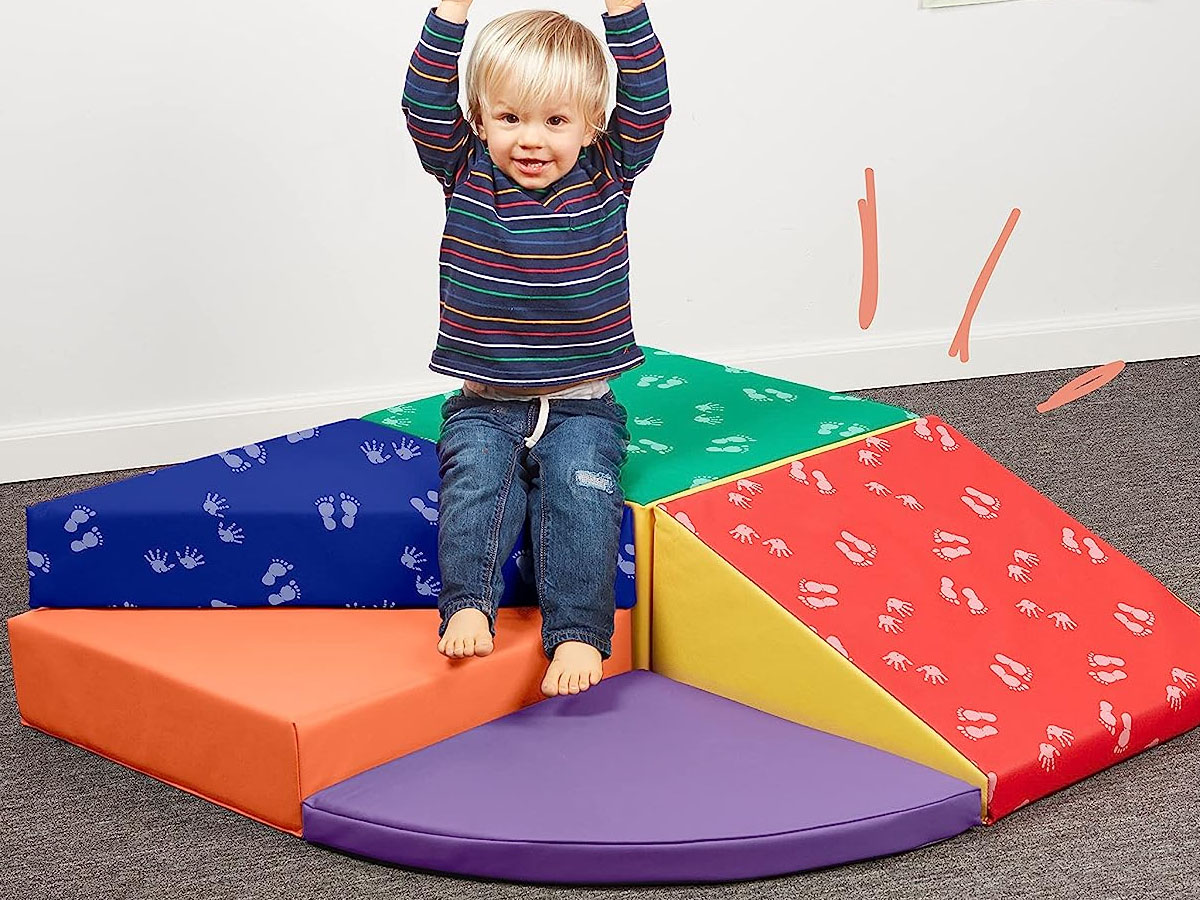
{"points": [[864, 635]]}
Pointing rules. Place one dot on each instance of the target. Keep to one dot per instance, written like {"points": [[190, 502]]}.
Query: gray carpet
{"points": [[1125, 461]]}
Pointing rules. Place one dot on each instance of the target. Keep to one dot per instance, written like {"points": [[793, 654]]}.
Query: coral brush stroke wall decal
{"points": [[1084, 384], [959, 346], [868, 298]]}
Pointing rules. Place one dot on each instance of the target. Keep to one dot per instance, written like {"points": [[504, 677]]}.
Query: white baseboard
{"points": [[159, 437]]}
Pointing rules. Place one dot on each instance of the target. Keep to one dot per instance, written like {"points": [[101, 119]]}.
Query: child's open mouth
{"points": [[531, 166]]}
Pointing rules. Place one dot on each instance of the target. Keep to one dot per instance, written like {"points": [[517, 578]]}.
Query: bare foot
{"points": [[467, 634], [576, 667]]}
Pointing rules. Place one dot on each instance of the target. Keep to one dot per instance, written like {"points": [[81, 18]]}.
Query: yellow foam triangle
{"points": [[713, 628], [643, 532]]}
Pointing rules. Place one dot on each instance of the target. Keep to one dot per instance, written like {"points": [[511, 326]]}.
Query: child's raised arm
{"points": [[643, 100], [430, 101]]}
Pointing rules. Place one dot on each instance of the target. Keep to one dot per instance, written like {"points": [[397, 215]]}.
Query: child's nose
{"points": [[531, 136]]}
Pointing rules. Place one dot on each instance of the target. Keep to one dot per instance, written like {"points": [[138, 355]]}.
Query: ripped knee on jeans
{"points": [[601, 481]]}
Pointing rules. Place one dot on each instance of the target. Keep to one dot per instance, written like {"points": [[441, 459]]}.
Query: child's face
{"points": [[534, 147]]}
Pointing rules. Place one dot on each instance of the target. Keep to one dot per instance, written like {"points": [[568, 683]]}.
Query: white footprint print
{"points": [[810, 594], [1015, 675], [78, 516], [1135, 620], [977, 732], [735, 443], [349, 505], [235, 462], [1126, 732], [256, 452], [326, 508], [88, 540], [824, 485], [303, 435], [862, 555], [276, 570], [625, 560], [1095, 554], [429, 511], [38, 562], [286, 594], [947, 440], [685, 520]]}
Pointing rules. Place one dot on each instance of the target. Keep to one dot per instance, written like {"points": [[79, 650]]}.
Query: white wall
{"points": [[213, 226]]}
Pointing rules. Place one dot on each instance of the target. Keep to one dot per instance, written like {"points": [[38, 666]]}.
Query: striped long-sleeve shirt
{"points": [[535, 285]]}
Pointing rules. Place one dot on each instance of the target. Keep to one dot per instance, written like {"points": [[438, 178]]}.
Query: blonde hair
{"points": [[542, 56]]}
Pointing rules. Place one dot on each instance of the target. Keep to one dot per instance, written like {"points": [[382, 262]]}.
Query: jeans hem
{"points": [[551, 641], [451, 608]]}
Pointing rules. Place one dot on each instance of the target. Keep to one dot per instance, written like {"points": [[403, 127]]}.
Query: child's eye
{"points": [[557, 120], [510, 118]]}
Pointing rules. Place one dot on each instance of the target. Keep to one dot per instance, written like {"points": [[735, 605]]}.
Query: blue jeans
{"points": [[567, 486]]}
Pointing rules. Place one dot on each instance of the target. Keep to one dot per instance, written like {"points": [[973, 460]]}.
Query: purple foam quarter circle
{"points": [[639, 780]]}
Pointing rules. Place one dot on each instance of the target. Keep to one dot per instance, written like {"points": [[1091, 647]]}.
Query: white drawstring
{"points": [[540, 428]]}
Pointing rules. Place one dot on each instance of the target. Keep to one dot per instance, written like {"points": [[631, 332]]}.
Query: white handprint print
{"points": [[1018, 573], [909, 501], [1025, 558], [877, 489], [428, 587], [898, 606], [375, 451], [877, 443], [1029, 608], [777, 547], [739, 500], [158, 561], [1047, 754], [215, 505], [898, 661], [1175, 695], [932, 674], [1187, 679], [230, 533], [744, 534], [1062, 620], [890, 624], [750, 487], [407, 449], [412, 558], [1062, 735], [869, 458]]}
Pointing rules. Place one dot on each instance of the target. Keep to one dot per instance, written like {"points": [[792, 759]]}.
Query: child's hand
{"points": [[616, 7], [453, 10]]}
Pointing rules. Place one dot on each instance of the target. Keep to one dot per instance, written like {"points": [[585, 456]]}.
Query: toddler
{"points": [[535, 310]]}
